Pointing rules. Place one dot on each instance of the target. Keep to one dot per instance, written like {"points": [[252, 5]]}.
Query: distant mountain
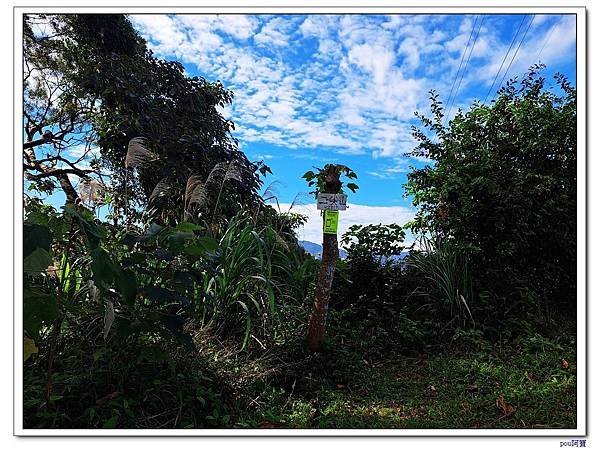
{"points": [[401, 257], [317, 249], [311, 247]]}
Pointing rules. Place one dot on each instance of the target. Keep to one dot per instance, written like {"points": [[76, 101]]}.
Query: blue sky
{"points": [[312, 89]]}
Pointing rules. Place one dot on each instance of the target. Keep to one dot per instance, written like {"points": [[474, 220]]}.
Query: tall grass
{"points": [[446, 267], [237, 289], [246, 282]]}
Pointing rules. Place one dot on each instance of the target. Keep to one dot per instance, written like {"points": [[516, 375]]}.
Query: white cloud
{"points": [[265, 156], [164, 36], [490, 50], [318, 25], [240, 26], [274, 32], [354, 215], [82, 151], [410, 50], [401, 165], [348, 83]]}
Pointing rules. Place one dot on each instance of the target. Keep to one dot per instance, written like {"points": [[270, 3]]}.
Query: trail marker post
{"points": [[330, 201]]}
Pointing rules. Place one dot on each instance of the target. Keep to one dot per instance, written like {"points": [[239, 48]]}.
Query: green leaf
{"points": [[352, 186], [111, 423], [178, 239], [174, 324], [163, 295], [64, 273], [103, 268], [85, 220], [39, 309], [37, 262], [309, 175], [186, 226], [34, 237], [209, 244], [29, 348], [152, 231], [195, 250], [126, 284]]}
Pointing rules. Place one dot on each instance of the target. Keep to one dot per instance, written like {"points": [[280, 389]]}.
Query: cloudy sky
{"points": [[313, 89]]}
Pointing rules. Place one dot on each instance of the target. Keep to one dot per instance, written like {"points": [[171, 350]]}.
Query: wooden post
{"points": [[318, 317]]}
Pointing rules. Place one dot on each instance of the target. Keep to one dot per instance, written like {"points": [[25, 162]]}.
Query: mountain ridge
{"points": [[316, 249]]}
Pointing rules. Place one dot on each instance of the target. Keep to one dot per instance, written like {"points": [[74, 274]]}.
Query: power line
{"points": [[461, 62], [465, 69], [517, 51], [548, 38], [504, 60]]}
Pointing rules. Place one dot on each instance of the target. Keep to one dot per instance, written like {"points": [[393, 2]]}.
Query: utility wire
{"points": [[548, 38], [504, 60], [461, 62], [517, 51], [465, 69]]}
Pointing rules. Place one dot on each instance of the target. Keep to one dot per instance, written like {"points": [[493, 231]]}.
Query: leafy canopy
{"points": [[502, 183]]}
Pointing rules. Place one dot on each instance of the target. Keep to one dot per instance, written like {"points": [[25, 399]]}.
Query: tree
{"points": [[56, 120], [371, 269], [110, 89], [374, 242], [503, 185]]}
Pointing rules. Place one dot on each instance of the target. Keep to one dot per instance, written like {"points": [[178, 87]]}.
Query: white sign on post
{"points": [[331, 202]]}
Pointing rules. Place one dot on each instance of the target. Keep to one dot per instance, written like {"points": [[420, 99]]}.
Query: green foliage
{"points": [[186, 305], [241, 285], [373, 241], [346, 388], [368, 286], [113, 90], [445, 267], [155, 364], [503, 182], [318, 179]]}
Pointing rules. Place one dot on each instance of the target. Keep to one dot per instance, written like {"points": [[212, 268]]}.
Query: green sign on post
{"points": [[330, 222]]}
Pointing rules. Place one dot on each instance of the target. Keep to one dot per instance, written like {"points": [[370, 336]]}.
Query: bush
{"points": [[503, 181]]}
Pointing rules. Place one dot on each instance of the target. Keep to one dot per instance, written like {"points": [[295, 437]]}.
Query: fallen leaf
{"points": [[506, 408], [268, 424], [472, 388], [109, 318], [565, 364], [103, 400], [529, 376], [432, 391]]}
